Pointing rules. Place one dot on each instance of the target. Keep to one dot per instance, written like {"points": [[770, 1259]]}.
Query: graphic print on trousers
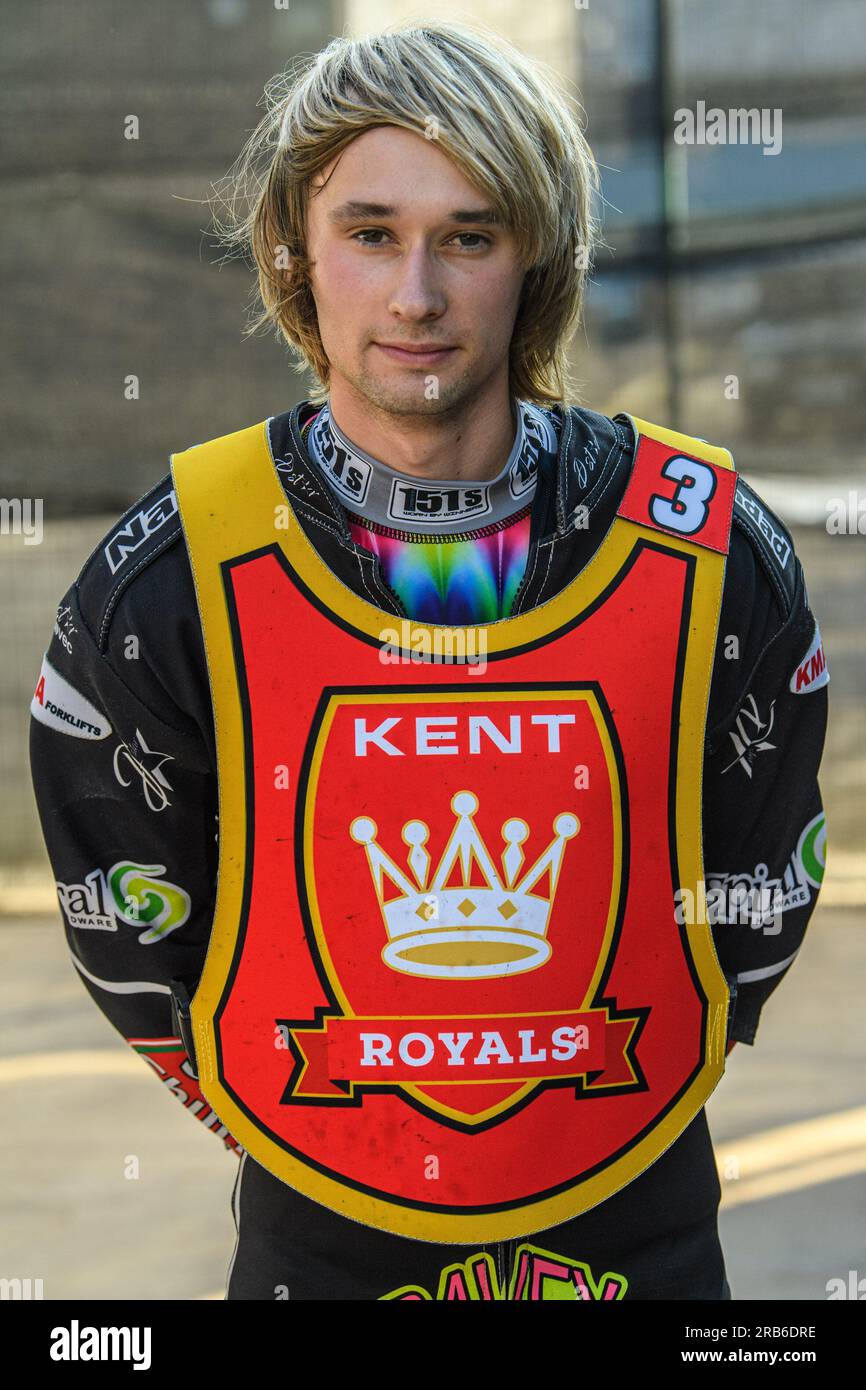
{"points": [[537, 1275]]}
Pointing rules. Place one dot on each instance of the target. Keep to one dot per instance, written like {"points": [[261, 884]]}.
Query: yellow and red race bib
{"points": [[447, 993]]}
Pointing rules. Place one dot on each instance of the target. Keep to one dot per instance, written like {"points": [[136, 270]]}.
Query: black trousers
{"points": [[657, 1238]]}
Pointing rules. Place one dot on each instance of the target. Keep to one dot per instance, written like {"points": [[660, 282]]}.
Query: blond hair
{"points": [[494, 112]]}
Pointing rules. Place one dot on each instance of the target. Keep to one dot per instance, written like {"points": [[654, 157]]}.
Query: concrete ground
{"points": [[80, 1108], [788, 1121]]}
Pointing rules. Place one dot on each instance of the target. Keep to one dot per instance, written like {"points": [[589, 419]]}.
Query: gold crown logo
{"points": [[468, 932]]}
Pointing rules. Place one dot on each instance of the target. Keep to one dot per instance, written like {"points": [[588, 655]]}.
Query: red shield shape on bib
{"points": [[472, 910]]}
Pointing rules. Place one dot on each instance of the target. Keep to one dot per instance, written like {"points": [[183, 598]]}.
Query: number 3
{"points": [[687, 510]]}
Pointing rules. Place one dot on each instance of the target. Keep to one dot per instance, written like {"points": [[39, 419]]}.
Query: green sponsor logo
{"points": [[140, 899], [812, 850]]}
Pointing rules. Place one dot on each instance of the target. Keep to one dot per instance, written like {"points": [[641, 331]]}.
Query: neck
{"points": [[467, 442]]}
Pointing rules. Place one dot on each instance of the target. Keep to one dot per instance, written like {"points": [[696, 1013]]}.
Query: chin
{"points": [[401, 393]]}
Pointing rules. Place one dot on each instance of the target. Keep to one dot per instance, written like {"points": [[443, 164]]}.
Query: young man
{"points": [[515, 711]]}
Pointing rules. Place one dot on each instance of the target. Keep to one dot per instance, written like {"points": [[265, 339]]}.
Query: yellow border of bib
{"points": [[230, 498]]}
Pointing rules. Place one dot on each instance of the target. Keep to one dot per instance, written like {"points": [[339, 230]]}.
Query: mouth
{"points": [[421, 354]]}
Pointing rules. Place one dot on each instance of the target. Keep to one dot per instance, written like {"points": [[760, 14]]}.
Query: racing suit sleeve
{"points": [[127, 802], [764, 824]]}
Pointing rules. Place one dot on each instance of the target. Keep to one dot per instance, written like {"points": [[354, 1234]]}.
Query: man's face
{"points": [[406, 251]]}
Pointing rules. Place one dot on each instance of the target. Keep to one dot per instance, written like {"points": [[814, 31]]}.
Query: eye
{"points": [[479, 237], [369, 231]]}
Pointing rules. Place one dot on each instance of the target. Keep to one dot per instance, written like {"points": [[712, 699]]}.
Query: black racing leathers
{"points": [[124, 771]]}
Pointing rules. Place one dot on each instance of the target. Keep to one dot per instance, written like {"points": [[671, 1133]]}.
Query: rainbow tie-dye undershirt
{"points": [[463, 574]]}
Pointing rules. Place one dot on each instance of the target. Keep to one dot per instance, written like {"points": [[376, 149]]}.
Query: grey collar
{"points": [[387, 497]]}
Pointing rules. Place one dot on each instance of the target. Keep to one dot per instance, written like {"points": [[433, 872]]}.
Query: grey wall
{"points": [[106, 270]]}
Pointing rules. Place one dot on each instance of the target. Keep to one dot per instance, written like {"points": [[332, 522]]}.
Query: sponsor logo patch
{"points": [[129, 893], [59, 705], [349, 473], [64, 627], [169, 1060], [136, 531], [145, 763], [777, 542], [410, 502], [750, 735], [811, 853], [811, 673], [539, 434], [756, 899]]}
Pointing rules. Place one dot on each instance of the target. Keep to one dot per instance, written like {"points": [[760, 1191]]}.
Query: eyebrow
{"points": [[355, 211]]}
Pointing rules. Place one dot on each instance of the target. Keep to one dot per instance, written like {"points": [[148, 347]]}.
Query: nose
{"points": [[416, 290]]}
